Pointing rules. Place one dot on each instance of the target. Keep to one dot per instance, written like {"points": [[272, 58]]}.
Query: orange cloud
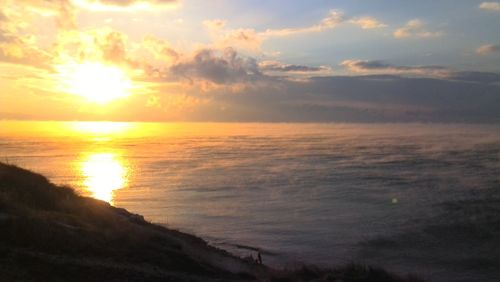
{"points": [[16, 46], [160, 49], [124, 5], [216, 24], [415, 28], [488, 49], [367, 23], [491, 6]]}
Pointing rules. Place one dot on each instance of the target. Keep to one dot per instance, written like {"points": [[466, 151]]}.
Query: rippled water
{"points": [[410, 197]]}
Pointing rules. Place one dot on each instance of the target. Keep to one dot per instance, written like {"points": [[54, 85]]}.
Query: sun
{"points": [[95, 81]]}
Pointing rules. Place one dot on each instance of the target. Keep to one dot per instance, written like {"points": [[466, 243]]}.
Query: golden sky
{"points": [[173, 60]]}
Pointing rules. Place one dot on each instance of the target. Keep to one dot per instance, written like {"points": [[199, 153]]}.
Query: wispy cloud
{"points": [[415, 28], [365, 66], [215, 24], [124, 5], [250, 39], [367, 22], [437, 72], [491, 6], [278, 66], [240, 38], [332, 20], [488, 49], [273, 67]]}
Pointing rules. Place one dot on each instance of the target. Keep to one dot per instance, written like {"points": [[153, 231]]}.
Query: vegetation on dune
{"points": [[49, 233]]}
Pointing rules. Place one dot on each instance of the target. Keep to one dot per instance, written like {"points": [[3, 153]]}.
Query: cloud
{"points": [[19, 50], [112, 46], [268, 90], [241, 38], [22, 12], [92, 45], [124, 5], [277, 66], [66, 16], [129, 2], [160, 49], [18, 43], [224, 67], [228, 67], [245, 39], [250, 39], [363, 66], [429, 93], [16, 47], [488, 49], [436, 72], [367, 23], [415, 28], [490, 6], [332, 20], [216, 24], [475, 77], [375, 98], [45, 8]]}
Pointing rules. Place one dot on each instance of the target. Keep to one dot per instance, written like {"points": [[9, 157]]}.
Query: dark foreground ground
{"points": [[49, 233]]}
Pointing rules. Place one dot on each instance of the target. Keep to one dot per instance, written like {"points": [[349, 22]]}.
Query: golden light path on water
{"points": [[103, 173], [103, 169], [100, 164]]}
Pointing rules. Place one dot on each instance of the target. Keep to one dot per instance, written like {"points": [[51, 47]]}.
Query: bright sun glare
{"points": [[104, 173], [95, 81]]}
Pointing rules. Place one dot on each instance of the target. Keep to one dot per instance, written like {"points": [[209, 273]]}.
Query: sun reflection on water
{"points": [[103, 173]]}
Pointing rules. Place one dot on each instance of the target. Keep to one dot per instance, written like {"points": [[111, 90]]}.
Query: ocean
{"points": [[420, 198]]}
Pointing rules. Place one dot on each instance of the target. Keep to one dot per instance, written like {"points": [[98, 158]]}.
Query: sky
{"points": [[227, 60]]}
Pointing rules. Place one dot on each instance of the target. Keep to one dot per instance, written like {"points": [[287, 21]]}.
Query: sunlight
{"points": [[103, 174], [95, 81], [125, 6], [84, 130], [100, 127]]}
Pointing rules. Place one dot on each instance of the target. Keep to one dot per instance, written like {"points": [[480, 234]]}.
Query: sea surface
{"points": [[420, 198]]}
